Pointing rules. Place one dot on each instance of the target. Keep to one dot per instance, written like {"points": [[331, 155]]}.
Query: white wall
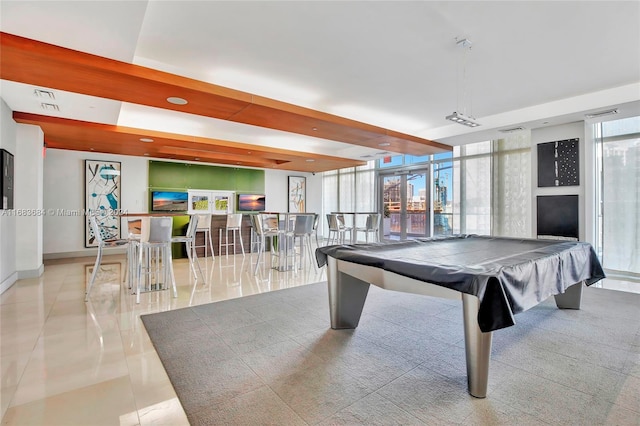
{"points": [[64, 183], [556, 133], [64, 189], [8, 274], [28, 172]]}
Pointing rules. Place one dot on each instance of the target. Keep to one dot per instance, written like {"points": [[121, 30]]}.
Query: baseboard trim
{"points": [[31, 273], [7, 283], [83, 253]]}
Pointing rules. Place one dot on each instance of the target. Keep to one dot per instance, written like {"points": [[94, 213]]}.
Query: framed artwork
{"points": [[221, 204], [559, 163], [6, 180], [102, 198], [202, 201], [297, 194], [198, 202]]}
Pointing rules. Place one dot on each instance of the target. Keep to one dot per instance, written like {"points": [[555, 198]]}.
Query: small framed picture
{"points": [[297, 194]]}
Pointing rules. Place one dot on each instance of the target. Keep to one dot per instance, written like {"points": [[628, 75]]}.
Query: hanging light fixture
{"points": [[462, 116]]}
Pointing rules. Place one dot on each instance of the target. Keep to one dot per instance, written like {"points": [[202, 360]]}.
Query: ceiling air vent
{"points": [[49, 107], [602, 113], [45, 94], [511, 130]]}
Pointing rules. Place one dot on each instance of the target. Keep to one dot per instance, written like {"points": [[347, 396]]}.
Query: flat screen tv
{"points": [[169, 201], [558, 216], [251, 202]]}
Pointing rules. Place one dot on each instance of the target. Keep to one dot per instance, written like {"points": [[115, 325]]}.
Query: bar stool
{"points": [[204, 225], [234, 223], [154, 268], [189, 240], [303, 230], [262, 233]]}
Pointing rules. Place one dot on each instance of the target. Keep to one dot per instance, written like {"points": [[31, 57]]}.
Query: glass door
{"points": [[405, 205]]}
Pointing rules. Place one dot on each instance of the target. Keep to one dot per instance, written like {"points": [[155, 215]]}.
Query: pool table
{"points": [[495, 277]]}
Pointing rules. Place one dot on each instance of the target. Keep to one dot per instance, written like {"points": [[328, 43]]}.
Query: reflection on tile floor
{"points": [[67, 362]]}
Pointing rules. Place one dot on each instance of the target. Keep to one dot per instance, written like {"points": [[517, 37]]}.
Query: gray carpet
{"points": [[273, 359]]}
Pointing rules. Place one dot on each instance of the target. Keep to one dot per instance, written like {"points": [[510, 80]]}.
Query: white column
{"points": [[28, 200]]}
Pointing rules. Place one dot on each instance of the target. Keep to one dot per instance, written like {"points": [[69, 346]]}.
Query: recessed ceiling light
{"points": [[146, 140], [146, 153], [384, 144], [177, 101], [197, 158], [314, 129], [310, 160], [92, 149]]}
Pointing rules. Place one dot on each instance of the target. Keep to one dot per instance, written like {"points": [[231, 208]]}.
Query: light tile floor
{"points": [[67, 362]]}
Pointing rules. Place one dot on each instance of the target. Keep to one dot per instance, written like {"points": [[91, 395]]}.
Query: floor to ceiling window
{"points": [[480, 188], [348, 190], [492, 187], [618, 194]]}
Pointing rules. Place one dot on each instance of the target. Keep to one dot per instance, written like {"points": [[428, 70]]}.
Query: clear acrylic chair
{"points": [[234, 224], [102, 244]]}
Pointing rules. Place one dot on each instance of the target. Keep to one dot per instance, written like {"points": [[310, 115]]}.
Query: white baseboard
{"points": [[31, 273], [7, 283], [83, 253]]}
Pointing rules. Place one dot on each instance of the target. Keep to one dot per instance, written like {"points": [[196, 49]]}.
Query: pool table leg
{"points": [[571, 298], [477, 346], [346, 297]]}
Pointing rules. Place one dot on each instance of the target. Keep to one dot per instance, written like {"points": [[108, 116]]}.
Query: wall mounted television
{"points": [[169, 201], [251, 202], [557, 215]]}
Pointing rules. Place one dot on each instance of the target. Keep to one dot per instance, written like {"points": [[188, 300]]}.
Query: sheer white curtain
{"points": [[493, 187], [349, 190], [511, 190], [472, 199], [619, 155]]}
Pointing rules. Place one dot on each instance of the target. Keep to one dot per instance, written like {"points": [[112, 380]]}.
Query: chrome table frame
{"points": [[349, 284]]}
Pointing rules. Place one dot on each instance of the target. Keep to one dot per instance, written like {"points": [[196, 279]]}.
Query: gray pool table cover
{"points": [[508, 275]]}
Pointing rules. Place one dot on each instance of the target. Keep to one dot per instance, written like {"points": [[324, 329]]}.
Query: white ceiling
{"points": [[388, 63]]}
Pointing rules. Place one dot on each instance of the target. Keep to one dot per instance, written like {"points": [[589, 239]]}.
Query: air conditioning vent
{"points": [[511, 130], [49, 107], [45, 94], [602, 113]]}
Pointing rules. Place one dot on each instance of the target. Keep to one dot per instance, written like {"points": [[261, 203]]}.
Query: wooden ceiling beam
{"points": [[32, 62], [62, 133]]}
